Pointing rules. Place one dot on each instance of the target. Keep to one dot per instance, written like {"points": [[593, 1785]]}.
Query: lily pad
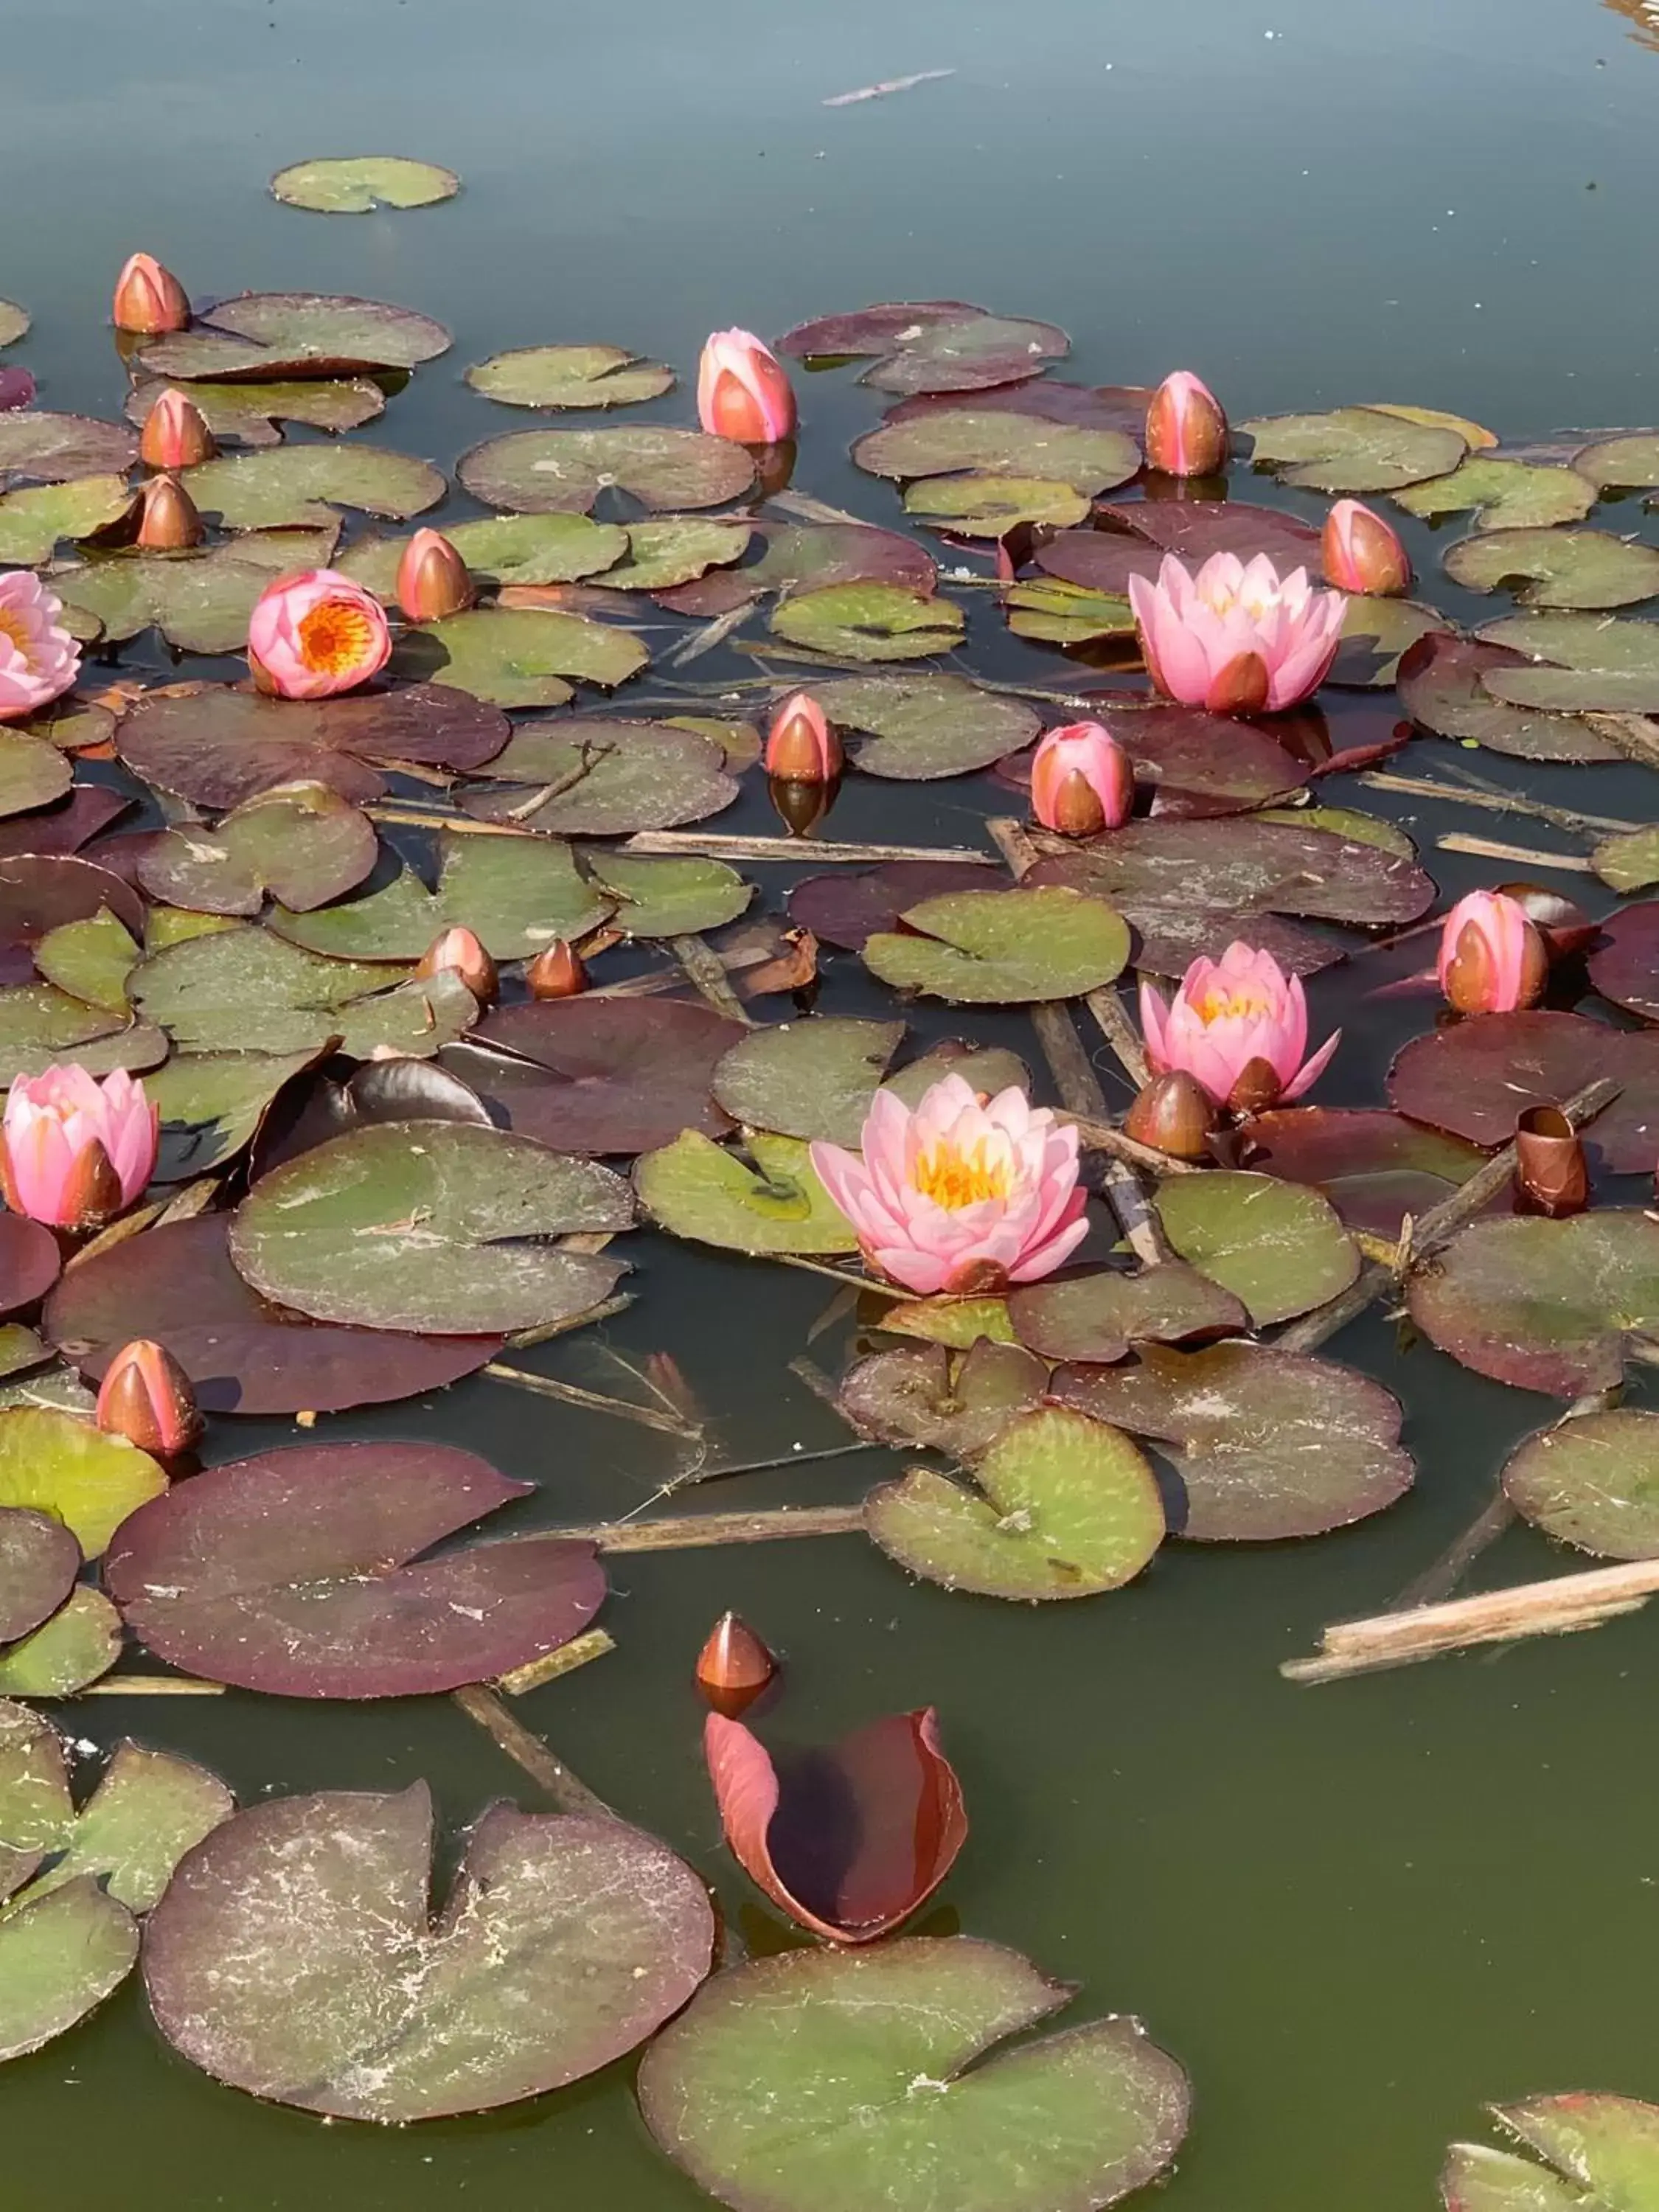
{"points": [[1377, 634], [1003, 948], [33, 520], [1131, 540], [1279, 1247], [501, 549], [570, 376], [806, 555], [1504, 494], [447, 1227], [364, 182], [199, 600], [262, 337], [77, 1646], [989, 1068], [1602, 2154], [58, 1960], [847, 907], [212, 1103], [1593, 1482], [1476, 1077], [39, 892], [1058, 613], [40, 1025], [1266, 1445], [662, 554], [789, 2086], [918, 727], [924, 1394], [299, 1573], [253, 414], [517, 895], [601, 1075], [1554, 1306], [91, 960], [957, 440], [663, 897], [985, 505], [51, 1463], [1352, 449], [217, 747], [1625, 966], [302, 843], [869, 622], [33, 772], [1374, 1168], [562, 1944], [30, 1261], [518, 656], [1568, 568], [808, 1079], [1630, 860], [88, 809], [544, 471], [1442, 688], [1069, 1508], [282, 486], [39, 1560], [1099, 1316], [52, 448], [604, 779], [14, 322], [1600, 665], [695, 1188], [932, 346], [1620, 464]]}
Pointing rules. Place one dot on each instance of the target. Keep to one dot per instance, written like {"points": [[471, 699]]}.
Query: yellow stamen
{"points": [[1219, 1004], [336, 636], [11, 626], [953, 1178]]}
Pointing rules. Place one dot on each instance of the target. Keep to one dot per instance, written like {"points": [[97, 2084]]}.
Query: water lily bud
{"points": [[168, 517], [1081, 781], [432, 579], [146, 1397], [733, 1667], [149, 299], [175, 435], [1360, 552], [1186, 429], [556, 973], [462, 951], [1173, 1113], [801, 747], [1492, 959], [1550, 1175], [744, 391]]}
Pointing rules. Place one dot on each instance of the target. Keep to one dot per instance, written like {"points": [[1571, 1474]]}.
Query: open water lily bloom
{"points": [[1239, 1027], [74, 1151], [316, 632], [1236, 638], [39, 662], [961, 1192]]}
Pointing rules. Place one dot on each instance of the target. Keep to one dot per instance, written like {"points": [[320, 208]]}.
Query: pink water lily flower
{"points": [[960, 1193], [1236, 639], [74, 1151], [39, 662], [744, 391], [1237, 1025], [315, 632]]}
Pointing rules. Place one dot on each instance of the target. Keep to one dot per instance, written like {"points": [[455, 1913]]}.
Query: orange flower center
{"points": [[12, 626], [1219, 1004], [953, 1178], [336, 637]]}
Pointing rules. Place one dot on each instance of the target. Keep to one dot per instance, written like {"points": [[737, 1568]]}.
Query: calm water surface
{"points": [[1354, 1912]]}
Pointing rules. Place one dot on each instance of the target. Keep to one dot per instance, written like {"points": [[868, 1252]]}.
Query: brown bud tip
{"points": [[168, 517], [149, 299], [1551, 1177], [1077, 808], [556, 973], [432, 579], [1240, 688], [1257, 1085], [733, 1667], [801, 806], [92, 1194], [1173, 1114], [175, 435], [146, 1397], [458, 949]]}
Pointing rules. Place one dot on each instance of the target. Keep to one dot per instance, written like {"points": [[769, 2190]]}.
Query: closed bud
{"points": [[1186, 429], [1081, 781], [168, 517], [1360, 552], [744, 391], [432, 579], [733, 1667], [1493, 958], [801, 747], [1174, 1114], [146, 1397], [556, 973], [1550, 1175], [175, 435], [461, 950], [149, 299]]}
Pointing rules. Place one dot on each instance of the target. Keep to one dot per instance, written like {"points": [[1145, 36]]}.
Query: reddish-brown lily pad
{"points": [[40, 1560], [74, 822], [1440, 689], [932, 346], [30, 1261], [1375, 1167], [1625, 966], [808, 556], [1133, 540], [302, 843], [848, 907], [54, 449], [1476, 1077], [1099, 1316]]}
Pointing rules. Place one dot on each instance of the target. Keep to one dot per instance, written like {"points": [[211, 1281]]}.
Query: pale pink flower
{"points": [[74, 1151], [1361, 552], [744, 391], [1493, 956], [314, 632], [959, 1193], [1186, 430], [1238, 1025], [39, 662], [1081, 781], [1236, 640]]}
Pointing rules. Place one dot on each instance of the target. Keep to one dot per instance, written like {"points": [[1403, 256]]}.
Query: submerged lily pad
{"points": [[517, 895], [590, 1074], [253, 414], [1003, 948], [519, 656], [303, 843], [1602, 2154], [870, 622], [52, 448], [923, 1394], [1099, 1316], [262, 337], [1354, 449], [917, 727], [605, 778], [33, 520], [1442, 688], [958, 440], [1476, 1077], [199, 600], [1600, 665], [932, 346], [363, 182], [564, 1943], [51, 1463], [1066, 1507], [282, 486], [696, 1189], [789, 2085], [1279, 1247], [542, 472], [570, 376], [1593, 1482], [1505, 494], [1567, 568], [808, 1079]]}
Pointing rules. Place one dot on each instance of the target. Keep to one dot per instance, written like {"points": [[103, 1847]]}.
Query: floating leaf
{"points": [[91, 960], [1279, 1247], [1069, 1508], [1059, 613], [29, 1261], [149, 1810], [212, 1103], [1626, 464], [662, 897], [58, 1960], [33, 772], [1002, 948], [1601, 666], [78, 1645], [570, 376], [1604, 2150], [14, 322], [539, 471], [805, 556], [1377, 634], [39, 1560], [284, 485], [517, 895], [662, 554], [955, 439], [1442, 687], [1267, 1444], [1202, 763], [39, 892], [1354, 449], [1625, 966], [32, 521], [1374, 1168], [264, 336], [696, 1189], [501, 549], [988, 1068], [932, 345], [303, 843], [518, 656], [847, 907], [40, 1025], [957, 1323], [51, 1463], [1505, 494], [200, 601], [602, 1075], [1569, 567], [605, 778], [88, 809], [918, 727], [790, 2086], [52, 448], [363, 183], [869, 622], [920, 1394], [1099, 1316], [253, 414], [1629, 862], [1593, 1482], [983, 505], [1477, 1077], [1132, 540], [808, 1079]]}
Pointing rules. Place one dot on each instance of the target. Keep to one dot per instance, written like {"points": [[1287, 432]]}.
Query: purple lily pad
{"points": [[17, 388], [307, 1114], [30, 1263], [1198, 764], [808, 556], [1625, 967], [932, 346], [848, 907], [1440, 689], [74, 822], [1134, 537], [1373, 1167], [52, 448], [39, 892], [40, 1560], [1475, 1078]]}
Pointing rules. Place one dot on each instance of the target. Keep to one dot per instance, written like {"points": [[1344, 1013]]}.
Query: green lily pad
{"points": [[921, 1395], [1504, 494], [200, 601], [88, 1481], [662, 554], [58, 1960], [668, 898], [1593, 1482], [989, 1068], [33, 772], [1003, 948], [40, 1025], [501, 549], [518, 656], [922, 727], [91, 960], [1568, 568], [1629, 862], [1602, 2154], [951, 440], [1279, 1247], [825, 2081], [982, 505], [264, 337], [284, 486], [1069, 1508], [808, 1079], [869, 622], [253, 414], [569, 376], [1352, 449], [1600, 665], [300, 842], [1442, 689], [364, 182], [958, 1323], [1099, 1316], [33, 520], [446, 1228], [1058, 613], [21, 1348], [14, 322], [696, 1189], [541, 471], [50, 448], [1620, 464], [804, 555], [212, 1103], [1376, 635], [596, 778], [78, 1645], [517, 895]]}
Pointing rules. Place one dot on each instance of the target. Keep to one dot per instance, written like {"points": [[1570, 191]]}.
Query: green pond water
{"points": [[1354, 1912]]}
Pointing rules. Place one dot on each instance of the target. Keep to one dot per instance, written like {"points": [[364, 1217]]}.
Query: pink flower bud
{"points": [[1492, 959], [175, 434], [744, 392], [149, 299], [1360, 552], [1081, 781], [168, 517], [146, 1397], [432, 579], [460, 949], [801, 746], [556, 973], [1186, 429], [314, 633]]}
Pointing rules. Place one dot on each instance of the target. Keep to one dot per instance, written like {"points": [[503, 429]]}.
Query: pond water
{"points": [[1354, 1912]]}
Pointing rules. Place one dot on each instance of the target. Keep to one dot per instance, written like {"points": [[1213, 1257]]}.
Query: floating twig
{"points": [[887, 85], [568, 1791], [152, 1686], [1493, 802], [840, 1275], [1488, 848], [693, 1531], [711, 634], [591, 1401], [717, 846], [708, 972], [524, 1339], [415, 817], [592, 1643]]}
